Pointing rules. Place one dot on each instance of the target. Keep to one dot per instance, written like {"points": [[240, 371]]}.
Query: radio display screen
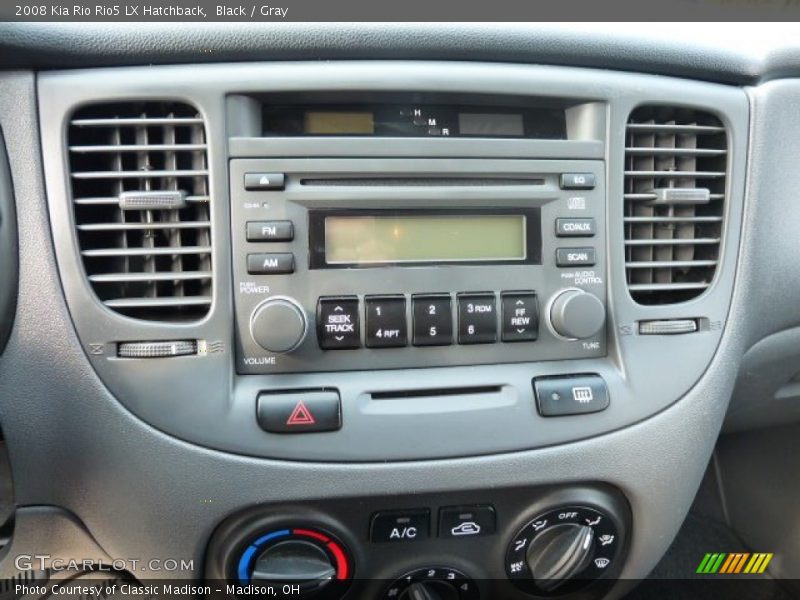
{"points": [[393, 239]]}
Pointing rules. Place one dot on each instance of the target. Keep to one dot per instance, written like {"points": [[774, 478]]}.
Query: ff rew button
{"points": [[400, 526], [259, 182], [520, 320], [571, 395], [337, 323], [300, 411], [466, 521]]}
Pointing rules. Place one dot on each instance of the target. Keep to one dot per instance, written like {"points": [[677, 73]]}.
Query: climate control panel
{"points": [[508, 543]]}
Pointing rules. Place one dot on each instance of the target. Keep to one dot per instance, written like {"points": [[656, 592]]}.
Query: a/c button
{"points": [[400, 526]]}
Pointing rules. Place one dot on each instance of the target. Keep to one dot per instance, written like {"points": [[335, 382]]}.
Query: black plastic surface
{"points": [[668, 51], [8, 249]]}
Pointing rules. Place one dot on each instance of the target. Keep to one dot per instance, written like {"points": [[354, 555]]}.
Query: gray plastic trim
{"points": [[142, 493], [200, 399]]}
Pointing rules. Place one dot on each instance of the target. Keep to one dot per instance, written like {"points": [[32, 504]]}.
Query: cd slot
{"points": [[436, 392], [419, 181]]}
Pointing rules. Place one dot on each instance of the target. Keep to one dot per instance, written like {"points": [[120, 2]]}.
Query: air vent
{"points": [[140, 191], [675, 170]]}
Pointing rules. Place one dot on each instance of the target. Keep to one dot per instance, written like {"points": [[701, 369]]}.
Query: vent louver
{"points": [[675, 172], [140, 192]]}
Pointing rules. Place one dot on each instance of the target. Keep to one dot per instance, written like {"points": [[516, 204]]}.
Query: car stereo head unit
{"points": [[346, 264]]}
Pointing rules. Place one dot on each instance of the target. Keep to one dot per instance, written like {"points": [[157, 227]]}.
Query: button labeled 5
{"points": [[433, 320]]}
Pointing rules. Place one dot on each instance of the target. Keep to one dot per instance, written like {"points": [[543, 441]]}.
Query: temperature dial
{"points": [[562, 550], [311, 559], [278, 324], [577, 315]]}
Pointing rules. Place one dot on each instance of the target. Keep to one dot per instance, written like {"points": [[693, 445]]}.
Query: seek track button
{"points": [[338, 323]]}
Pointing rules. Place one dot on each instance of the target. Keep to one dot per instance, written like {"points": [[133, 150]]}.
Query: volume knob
{"points": [[278, 325], [576, 314]]}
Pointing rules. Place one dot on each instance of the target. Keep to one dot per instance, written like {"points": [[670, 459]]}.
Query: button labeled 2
{"points": [[433, 320]]}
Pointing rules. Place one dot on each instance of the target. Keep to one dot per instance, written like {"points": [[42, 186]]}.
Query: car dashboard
{"points": [[462, 315]]}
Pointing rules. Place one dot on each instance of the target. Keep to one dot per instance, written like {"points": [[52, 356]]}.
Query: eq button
{"points": [[386, 321], [337, 323], [477, 319]]}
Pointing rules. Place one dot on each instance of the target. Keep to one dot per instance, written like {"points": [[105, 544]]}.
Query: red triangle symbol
{"points": [[300, 415]]}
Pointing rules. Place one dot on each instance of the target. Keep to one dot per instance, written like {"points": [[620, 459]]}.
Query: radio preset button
{"points": [[386, 321], [477, 318], [566, 227], [520, 317], [270, 231], [338, 323], [575, 257], [577, 181], [433, 320], [270, 263]]}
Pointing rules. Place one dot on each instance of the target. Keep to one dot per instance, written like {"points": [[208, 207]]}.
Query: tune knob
{"points": [[278, 324], [577, 315], [559, 553]]}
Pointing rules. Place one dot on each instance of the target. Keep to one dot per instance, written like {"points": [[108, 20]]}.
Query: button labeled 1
{"points": [[433, 320], [477, 319], [386, 321]]}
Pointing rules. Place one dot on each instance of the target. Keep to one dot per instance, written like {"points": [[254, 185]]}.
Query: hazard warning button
{"points": [[299, 411]]}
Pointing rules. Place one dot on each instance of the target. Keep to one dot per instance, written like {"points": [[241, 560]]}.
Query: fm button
{"points": [[337, 323]]}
